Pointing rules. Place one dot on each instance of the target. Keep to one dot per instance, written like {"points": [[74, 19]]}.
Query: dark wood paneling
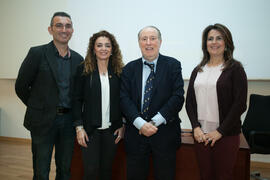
{"points": [[186, 164]]}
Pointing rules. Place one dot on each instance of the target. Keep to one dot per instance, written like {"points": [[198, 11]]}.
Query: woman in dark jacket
{"points": [[216, 98], [96, 107]]}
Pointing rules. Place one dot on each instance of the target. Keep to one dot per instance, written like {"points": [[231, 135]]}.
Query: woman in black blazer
{"points": [[96, 111]]}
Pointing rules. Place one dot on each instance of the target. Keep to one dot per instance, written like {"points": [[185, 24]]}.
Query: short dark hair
{"points": [[63, 14]]}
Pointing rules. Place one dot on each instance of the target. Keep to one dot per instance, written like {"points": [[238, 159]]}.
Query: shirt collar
{"points": [[67, 56], [152, 62]]}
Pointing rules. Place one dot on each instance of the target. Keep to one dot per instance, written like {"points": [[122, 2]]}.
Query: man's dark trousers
{"points": [[62, 137]]}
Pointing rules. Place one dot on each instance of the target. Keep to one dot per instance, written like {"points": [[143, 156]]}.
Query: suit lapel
{"points": [[138, 75], [74, 63], [159, 73], [52, 60]]}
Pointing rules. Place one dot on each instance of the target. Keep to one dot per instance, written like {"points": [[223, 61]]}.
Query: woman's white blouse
{"points": [[206, 97], [105, 101]]}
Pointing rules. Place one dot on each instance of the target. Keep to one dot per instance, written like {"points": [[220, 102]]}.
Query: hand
{"points": [[199, 136], [120, 134], [82, 137], [212, 137], [148, 129]]}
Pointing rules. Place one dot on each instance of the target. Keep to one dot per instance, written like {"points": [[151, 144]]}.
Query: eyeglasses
{"points": [[61, 26]]}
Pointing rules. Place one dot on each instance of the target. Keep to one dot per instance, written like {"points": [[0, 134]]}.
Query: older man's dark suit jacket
{"points": [[167, 98], [36, 86]]}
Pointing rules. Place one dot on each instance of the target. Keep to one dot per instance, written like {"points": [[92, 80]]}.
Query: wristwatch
{"points": [[79, 128]]}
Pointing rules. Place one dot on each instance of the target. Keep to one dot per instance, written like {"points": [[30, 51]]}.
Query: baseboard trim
{"points": [[14, 139], [259, 164]]}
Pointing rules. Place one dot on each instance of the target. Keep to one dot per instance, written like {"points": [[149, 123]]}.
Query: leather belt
{"points": [[62, 110]]}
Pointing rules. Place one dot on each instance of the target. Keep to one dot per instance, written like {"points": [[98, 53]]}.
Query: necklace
{"points": [[103, 73]]}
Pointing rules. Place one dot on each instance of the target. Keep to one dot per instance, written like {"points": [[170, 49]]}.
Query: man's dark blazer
{"points": [[36, 86], [167, 98]]}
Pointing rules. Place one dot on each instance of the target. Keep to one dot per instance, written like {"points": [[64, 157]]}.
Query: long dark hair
{"points": [[90, 63], [229, 46]]}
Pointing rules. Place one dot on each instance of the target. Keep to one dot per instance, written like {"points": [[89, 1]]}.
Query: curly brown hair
{"points": [[229, 46], [90, 63]]}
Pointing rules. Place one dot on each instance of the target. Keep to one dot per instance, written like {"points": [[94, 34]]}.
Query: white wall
{"points": [[12, 111], [181, 23], [24, 23]]}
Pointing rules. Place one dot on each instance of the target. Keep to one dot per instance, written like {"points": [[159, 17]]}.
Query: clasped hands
{"points": [[148, 129], [208, 138]]}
